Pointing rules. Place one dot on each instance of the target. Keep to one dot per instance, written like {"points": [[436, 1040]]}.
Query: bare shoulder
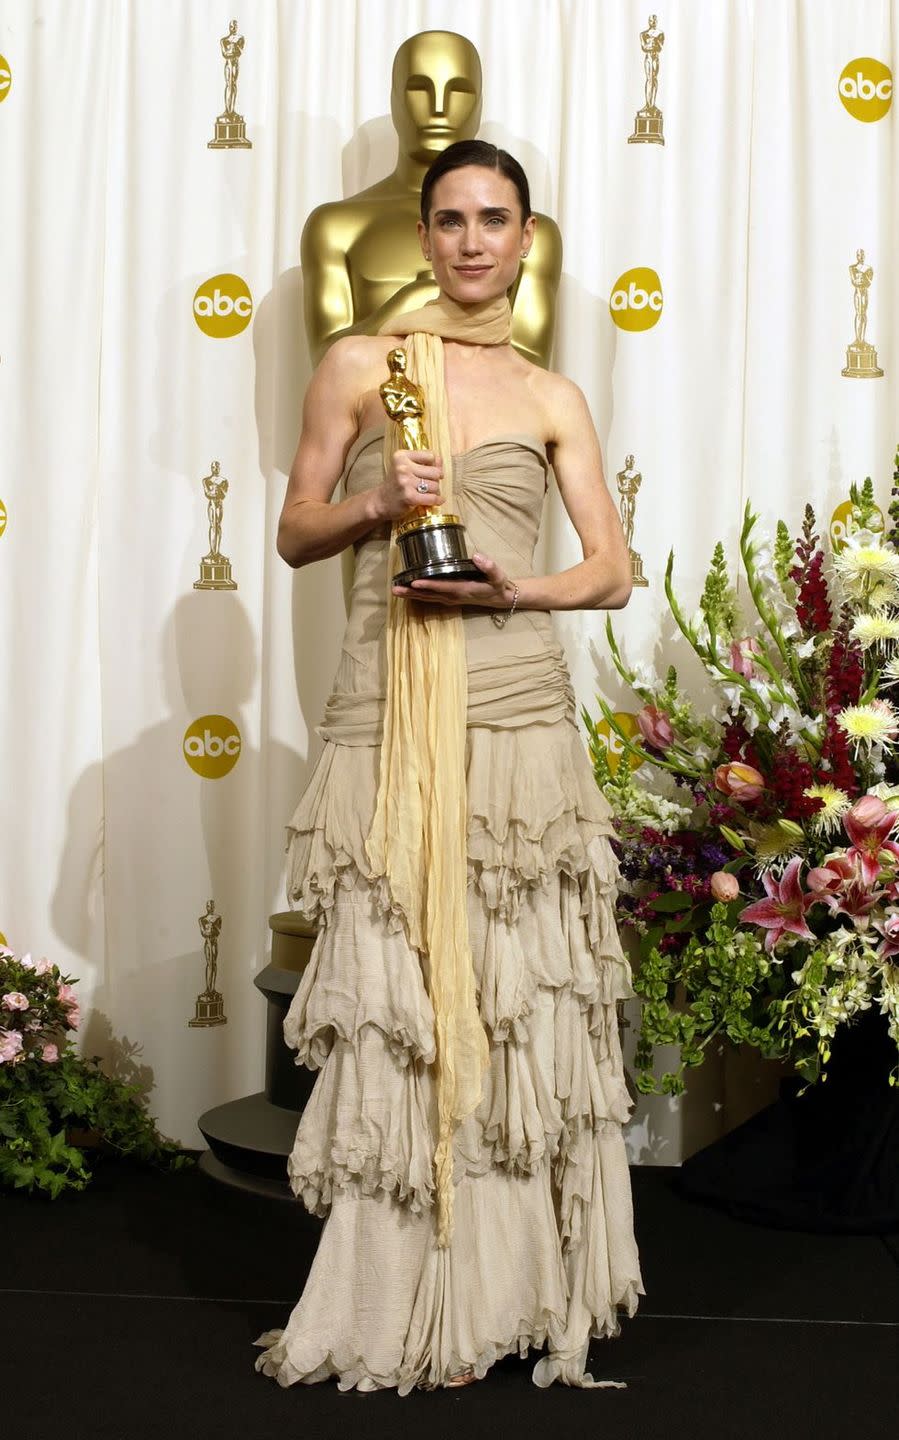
{"points": [[353, 359], [562, 402]]}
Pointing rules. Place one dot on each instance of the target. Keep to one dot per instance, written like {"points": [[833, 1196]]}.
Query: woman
{"points": [[464, 1135]]}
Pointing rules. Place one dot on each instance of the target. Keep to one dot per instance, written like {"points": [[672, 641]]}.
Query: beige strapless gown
{"points": [[543, 1249]]}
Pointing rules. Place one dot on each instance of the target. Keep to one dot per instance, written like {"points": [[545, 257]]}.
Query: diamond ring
{"points": [[422, 487]]}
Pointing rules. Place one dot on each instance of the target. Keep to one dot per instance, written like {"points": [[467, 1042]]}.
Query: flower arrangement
{"points": [[759, 843], [47, 1090]]}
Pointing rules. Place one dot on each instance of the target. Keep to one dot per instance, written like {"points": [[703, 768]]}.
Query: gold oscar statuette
{"points": [[231, 128], [629, 482], [215, 568], [360, 256], [432, 543], [648, 122], [210, 1005], [861, 356]]}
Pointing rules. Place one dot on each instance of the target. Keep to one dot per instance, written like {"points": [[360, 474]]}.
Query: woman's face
{"points": [[475, 238]]}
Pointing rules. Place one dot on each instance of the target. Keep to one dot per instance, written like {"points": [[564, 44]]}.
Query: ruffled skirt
{"points": [[543, 1250]]}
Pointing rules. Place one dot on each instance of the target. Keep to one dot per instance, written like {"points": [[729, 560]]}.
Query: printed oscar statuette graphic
{"points": [[231, 128], [432, 544], [215, 568], [648, 121], [629, 482], [210, 1005], [861, 356]]}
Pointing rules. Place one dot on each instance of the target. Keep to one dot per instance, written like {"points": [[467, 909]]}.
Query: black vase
{"points": [[827, 1160]]}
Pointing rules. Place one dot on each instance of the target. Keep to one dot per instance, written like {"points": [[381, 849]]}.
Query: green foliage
{"points": [[42, 1104], [864, 507], [720, 985], [718, 602], [784, 557]]}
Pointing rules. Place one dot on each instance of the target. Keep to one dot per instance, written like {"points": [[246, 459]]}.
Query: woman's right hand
{"points": [[400, 491]]}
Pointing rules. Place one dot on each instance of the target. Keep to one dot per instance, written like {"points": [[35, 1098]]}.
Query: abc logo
{"points": [[866, 89], [612, 742], [211, 746], [636, 299], [223, 306], [842, 525], [2, 517], [5, 78]]}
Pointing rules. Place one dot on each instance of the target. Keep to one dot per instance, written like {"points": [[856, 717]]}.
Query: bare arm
{"points": [[311, 527], [602, 580]]}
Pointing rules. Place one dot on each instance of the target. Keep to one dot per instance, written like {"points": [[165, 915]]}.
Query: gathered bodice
{"points": [[516, 675]]}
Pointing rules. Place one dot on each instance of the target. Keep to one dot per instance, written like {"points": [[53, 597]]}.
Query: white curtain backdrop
{"points": [[114, 404]]}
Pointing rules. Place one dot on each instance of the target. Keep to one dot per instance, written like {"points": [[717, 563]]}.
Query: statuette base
{"points": [[215, 574], [210, 1010], [440, 570], [637, 577], [230, 134], [861, 361], [647, 127]]}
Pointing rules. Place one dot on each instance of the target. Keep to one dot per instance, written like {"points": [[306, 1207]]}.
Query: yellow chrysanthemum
{"points": [[874, 724], [880, 629], [873, 562], [775, 841], [834, 804]]}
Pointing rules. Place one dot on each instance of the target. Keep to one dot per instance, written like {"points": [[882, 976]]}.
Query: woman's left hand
{"points": [[494, 592]]}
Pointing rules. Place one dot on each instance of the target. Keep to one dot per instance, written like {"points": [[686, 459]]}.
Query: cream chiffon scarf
{"points": [[418, 840]]}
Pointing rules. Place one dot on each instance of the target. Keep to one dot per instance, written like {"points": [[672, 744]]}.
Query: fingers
{"points": [[418, 475]]}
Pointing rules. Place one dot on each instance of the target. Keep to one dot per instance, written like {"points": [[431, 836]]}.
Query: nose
{"points": [[471, 240]]}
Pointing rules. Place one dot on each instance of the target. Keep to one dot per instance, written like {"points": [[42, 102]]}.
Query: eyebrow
{"points": [[487, 211]]}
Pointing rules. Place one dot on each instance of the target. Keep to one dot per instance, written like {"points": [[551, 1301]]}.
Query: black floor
{"points": [[129, 1311]]}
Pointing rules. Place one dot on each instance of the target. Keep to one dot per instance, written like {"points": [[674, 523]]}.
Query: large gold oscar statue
{"points": [[361, 259]]}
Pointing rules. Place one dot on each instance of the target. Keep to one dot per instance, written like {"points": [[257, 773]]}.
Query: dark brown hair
{"points": [[475, 152]]}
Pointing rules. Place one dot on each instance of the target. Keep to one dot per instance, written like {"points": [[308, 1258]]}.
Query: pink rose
{"points": [[14, 1000], [655, 727], [66, 993], [724, 886], [73, 1017], [741, 653], [42, 966], [741, 781], [49, 1054], [10, 1045]]}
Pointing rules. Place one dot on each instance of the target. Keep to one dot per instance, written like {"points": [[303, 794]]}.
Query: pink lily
{"points": [[839, 883], [785, 908], [868, 824], [889, 929]]}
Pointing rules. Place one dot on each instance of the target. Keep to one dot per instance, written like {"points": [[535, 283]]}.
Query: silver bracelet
{"points": [[500, 620]]}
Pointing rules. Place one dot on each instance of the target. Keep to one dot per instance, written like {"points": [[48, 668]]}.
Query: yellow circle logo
{"points": [[626, 722], [3, 517], [223, 306], [636, 299], [842, 525], [211, 746], [5, 78], [866, 88]]}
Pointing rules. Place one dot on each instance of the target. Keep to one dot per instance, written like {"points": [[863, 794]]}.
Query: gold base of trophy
{"points": [[861, 361], [230, 134], [433, 547], [215, 574], [210, 1010], [647, 127], [637, 576]]}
